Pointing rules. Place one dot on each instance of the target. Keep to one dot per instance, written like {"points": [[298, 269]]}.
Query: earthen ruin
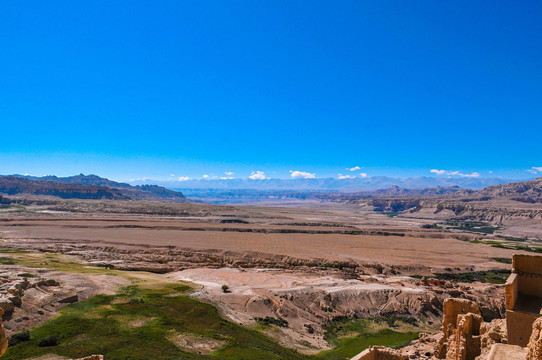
{"points": [[523, 298], [465, 335]]}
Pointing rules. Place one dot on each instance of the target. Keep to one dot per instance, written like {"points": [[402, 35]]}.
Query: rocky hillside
{"points": [[84, 187], [525, 191], [13, 185], [82, 179]]}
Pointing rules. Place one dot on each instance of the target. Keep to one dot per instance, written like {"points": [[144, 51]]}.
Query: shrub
{"points": [[27, 275], [502, 260], [48, 341], [19, 338], [7, 261], [136, 301], [268, 320], [226, 289]]}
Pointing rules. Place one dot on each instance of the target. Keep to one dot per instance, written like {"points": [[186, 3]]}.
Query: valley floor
{"points": [[324, 281]]}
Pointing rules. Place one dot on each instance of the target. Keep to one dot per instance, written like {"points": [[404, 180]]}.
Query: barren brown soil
{"points": [[335, 235]]}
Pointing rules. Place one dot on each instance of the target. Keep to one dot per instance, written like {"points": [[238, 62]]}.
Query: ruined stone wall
{"points": [[511, 289], [380, 353], [527, 264], [530, 284]]}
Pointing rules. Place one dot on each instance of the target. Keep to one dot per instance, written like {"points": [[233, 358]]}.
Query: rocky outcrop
{"points": [[13, 287], [3, 337], [465, 335], [470, 210], [535, 342], [526, 191], [491, 333]]}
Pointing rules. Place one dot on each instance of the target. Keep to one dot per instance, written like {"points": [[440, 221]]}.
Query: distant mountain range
{"points": [[84, 187], [331, 184], [247, 190]]}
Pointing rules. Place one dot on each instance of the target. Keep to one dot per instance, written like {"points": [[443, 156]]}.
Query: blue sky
{"points": [[133, 89]]}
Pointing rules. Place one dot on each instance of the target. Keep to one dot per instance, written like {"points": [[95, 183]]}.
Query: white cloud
{"points": [[454, 173], [205, 176], [363, 174], [537, 168], [302, 175], [172, 175], [532, 171], [491, 172], [257, 175], [355, 168], [229, 173], [226, 178], [184, 178], [341, 176]]}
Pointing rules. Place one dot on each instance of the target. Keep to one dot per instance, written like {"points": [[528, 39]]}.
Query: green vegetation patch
{"points": [[7, 261], [101, 326], [432, 226], [511, 246], [268, 320], [335, 265], [502, 260], [512, 238], [51, 261], [472, 226], [490, 276], [350, 337], [26, 275]]}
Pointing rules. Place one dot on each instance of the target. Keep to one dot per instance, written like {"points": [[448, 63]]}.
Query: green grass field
{"points": [[349, 337], [101, 325]]}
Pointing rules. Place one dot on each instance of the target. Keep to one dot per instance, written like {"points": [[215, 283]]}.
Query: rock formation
{"points": [[535, 342], [3, 337], [465, 335]]}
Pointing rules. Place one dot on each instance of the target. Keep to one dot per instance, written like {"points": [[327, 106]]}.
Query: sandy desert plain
{"points": [[276, 281]]}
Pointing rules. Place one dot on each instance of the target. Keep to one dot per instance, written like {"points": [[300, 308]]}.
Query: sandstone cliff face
{"points": [[439, 209], [12, 185], [525, 191], [84, 187]]}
